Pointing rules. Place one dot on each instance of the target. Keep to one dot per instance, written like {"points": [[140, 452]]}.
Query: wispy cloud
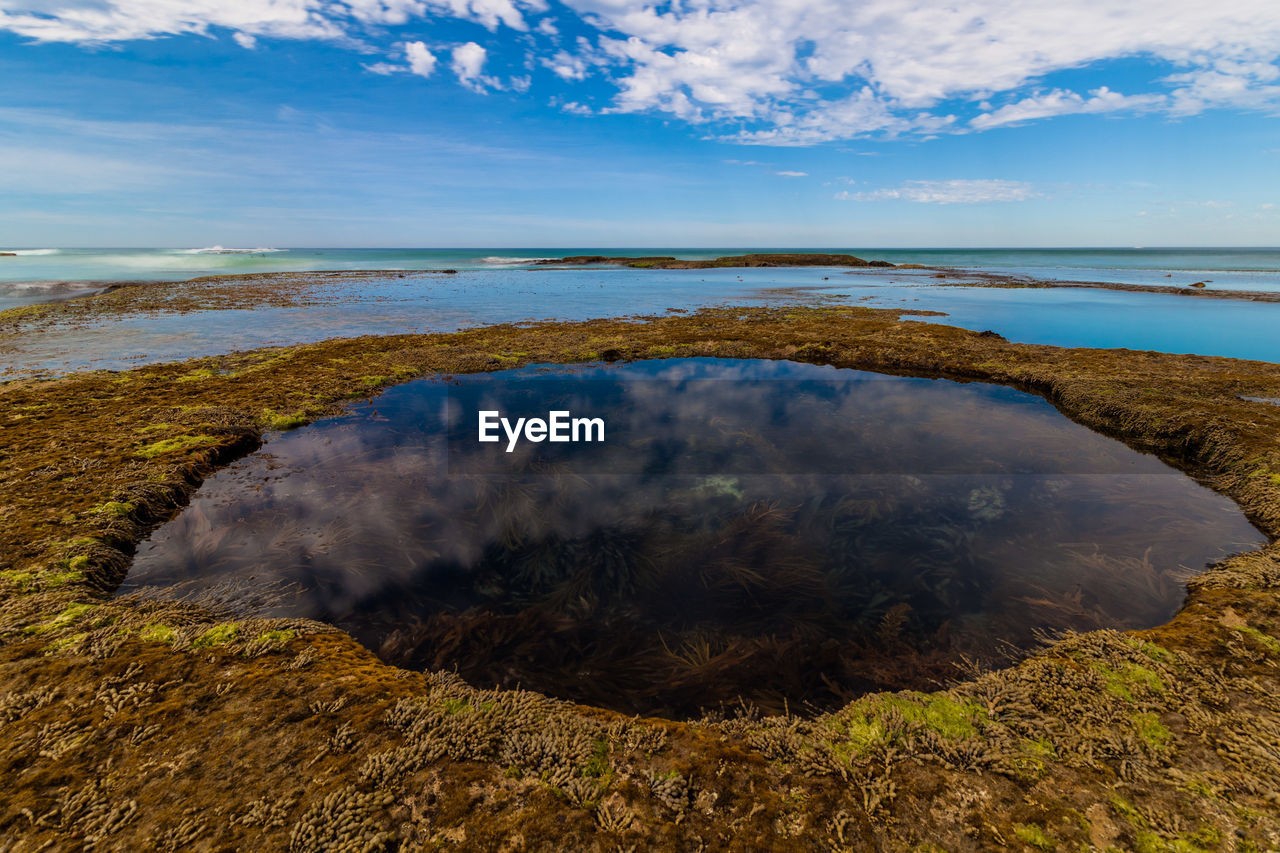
{"points": [[946, 192], [787, 173], [1060, 102]]}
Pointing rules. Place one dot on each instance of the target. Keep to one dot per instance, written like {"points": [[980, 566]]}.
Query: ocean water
{"points": [[717, 544], [1246, 268]]}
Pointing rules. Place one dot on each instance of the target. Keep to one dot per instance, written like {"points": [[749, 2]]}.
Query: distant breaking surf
{"points": [[494, 259], [219, 250]]}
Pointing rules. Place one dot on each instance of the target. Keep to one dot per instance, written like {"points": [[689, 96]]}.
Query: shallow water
{"points": [[1062, 317], [779, 533]]}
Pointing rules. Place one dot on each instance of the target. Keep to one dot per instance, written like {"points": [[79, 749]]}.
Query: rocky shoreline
{"points": [[143, 724]]}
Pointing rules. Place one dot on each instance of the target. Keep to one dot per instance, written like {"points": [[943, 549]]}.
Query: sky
{"points": [[451, 123]]}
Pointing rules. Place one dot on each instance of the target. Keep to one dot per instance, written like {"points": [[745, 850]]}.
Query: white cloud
{"points": [[101, 21], [946, 192], [245, 40], [567, 66], [571, 107], [468, 62], [786, 72], [1060, 102], [421, 60], [786, 173], [760, 60]]}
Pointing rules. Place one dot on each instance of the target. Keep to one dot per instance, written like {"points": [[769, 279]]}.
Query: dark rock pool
{"points": [[770, 533]]}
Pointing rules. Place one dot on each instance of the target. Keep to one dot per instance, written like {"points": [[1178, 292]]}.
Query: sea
{"points": [[1234, 268], [497, 285]]}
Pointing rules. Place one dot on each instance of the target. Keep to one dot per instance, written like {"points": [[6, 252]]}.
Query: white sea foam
{"points": [[219, 250], [496, 259], [30, 251]]}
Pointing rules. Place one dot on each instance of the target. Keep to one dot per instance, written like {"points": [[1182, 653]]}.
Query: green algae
{"points": [[1124, 680], [218, 635], [177, 444], [1152, 732], [877, 720], [154, 632], [1034, 835], [66, 617], [115, 509], [275, 421]]}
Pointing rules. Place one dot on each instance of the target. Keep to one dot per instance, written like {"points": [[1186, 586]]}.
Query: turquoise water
{"points": [[1257, 269]]}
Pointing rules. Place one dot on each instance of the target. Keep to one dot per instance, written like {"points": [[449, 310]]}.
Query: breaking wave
{"points": [[496, 259], [219, 250]]}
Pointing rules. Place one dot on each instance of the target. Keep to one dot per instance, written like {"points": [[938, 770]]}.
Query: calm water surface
{"points": [[1065, 317], [770, 531]]}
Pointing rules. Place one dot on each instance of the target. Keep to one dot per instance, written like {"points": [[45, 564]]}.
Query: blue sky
{"points": [[614, 123]]}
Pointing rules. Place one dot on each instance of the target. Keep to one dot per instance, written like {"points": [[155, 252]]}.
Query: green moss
{"points": [[77, 563], [197, 375], [218, 635], [173, 445], [154, 632], [69, 614], [1034, 835]]}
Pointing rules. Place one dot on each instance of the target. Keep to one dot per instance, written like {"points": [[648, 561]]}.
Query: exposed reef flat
{"points": [[947, 277], [667, 262], [141, 724], [207, 293]]}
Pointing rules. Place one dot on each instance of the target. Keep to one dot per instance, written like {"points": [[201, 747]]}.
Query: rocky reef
{"points": [[137, 723], [666, 262]]}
